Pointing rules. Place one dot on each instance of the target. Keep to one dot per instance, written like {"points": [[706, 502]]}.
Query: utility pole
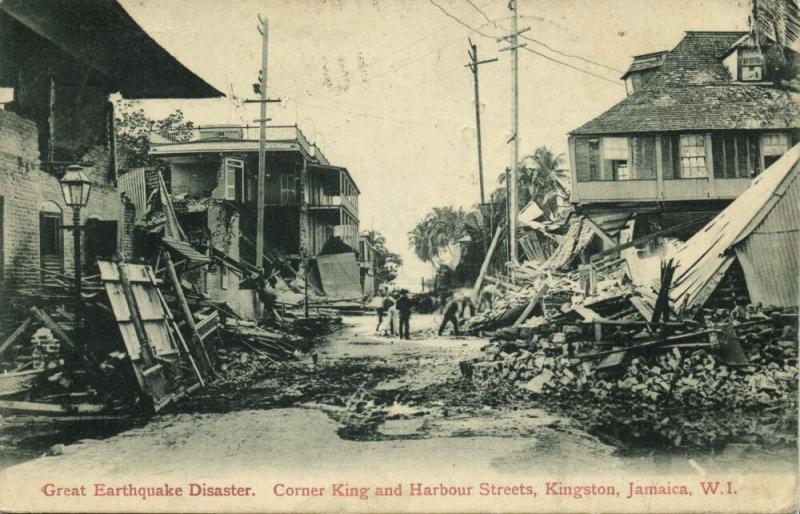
{"points": [[512, 200], [262, 144], [473, 65]]}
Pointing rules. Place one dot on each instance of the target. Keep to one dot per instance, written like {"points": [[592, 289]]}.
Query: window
{"points": [[288, 188], [51, 243], [735, 155], [615, 155], [234, 177], [693, 156], [751, 64], [774, 146]]}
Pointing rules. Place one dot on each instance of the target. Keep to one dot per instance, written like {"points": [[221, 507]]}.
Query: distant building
{"points": [[700, 121], [56, 76], [368, 262]]}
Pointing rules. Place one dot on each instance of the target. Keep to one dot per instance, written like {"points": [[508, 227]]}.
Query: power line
{"points": [[534, 51], [461, 22], [483, 13], [569, 55], [570, 66], [574, 56]]}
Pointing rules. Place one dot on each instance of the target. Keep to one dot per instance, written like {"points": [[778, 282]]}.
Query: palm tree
{"points": [[776, 21], [432, 234], [539, 180]]}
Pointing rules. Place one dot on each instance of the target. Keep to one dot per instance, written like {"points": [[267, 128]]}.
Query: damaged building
{"points": [[56, 83], [311, 206], [699, 123]]}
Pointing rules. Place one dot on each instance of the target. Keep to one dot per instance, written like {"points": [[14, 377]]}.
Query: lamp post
{"points": [[75, 187]]}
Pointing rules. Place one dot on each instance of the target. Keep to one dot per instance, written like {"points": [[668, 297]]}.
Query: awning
{"points": [[104, 36]]}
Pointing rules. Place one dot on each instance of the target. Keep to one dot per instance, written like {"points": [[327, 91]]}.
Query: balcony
{"points": [[667, 190], [237, 133], [332, 202]]}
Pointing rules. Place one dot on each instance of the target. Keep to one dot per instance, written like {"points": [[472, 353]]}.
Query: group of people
{"points": [[394, 309]]}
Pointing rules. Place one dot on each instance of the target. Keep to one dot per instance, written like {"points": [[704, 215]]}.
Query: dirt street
{"points": [[373, 409]]}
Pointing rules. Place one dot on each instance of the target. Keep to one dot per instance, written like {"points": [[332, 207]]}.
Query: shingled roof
{"points": [[692, 90]]}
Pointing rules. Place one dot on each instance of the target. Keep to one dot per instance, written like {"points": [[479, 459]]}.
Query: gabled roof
{"points": [[693, 90], [103, 35], [703, 259]]}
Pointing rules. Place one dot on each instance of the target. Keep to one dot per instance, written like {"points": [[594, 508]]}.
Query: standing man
{"points": [[404, 309], [450, 315]]}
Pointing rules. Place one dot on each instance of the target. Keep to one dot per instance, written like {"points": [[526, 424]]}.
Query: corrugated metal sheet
{"points": [[701, 258], [132, 184], [340, 275], [769, 254]]}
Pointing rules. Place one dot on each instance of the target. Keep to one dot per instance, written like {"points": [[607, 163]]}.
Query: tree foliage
{"points": [[135, 130], [777, 21], [540, 179], [439, 228], [387, 263]]}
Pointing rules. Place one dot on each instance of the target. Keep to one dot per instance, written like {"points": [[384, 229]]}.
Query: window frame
{"points": [[701, 155], [231, 167]]}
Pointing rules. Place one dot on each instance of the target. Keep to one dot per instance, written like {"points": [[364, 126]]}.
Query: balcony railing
{"points": [[275, 133]]}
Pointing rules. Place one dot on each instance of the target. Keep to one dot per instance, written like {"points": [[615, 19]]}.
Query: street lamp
{"points": [[75, 187]]}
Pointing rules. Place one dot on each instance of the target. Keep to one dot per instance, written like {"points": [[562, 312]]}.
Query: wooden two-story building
{"points": [[308, 201], [699, 122]]}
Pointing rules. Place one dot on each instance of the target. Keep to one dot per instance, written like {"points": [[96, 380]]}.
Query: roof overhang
{"points": [[101, 34], [220, 146]]}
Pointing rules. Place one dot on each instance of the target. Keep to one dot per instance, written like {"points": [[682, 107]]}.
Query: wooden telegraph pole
{"points": [[263, 28], [262, 144], [512, 200], [473, 65]]}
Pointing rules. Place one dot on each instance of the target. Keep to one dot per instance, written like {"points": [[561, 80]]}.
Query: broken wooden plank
{"points": [[502, 283], [531, 304], [15, 335], [486, 260], [52, 325]]}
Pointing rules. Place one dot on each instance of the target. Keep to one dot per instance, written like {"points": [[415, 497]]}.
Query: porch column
{"points": [[304, 193]]}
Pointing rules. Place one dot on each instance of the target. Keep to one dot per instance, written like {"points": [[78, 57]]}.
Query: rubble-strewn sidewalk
{"points": [[694, 388]]}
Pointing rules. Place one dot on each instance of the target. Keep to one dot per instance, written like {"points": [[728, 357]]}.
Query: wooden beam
{"points": [[52, 325], [527, 312], [486, 260], [502, 283], [15, 335], [600, 232], [187, 313], [650, 237]]}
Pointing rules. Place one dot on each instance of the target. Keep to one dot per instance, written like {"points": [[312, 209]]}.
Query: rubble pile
{"points": [[686, 387], [554, 290]]}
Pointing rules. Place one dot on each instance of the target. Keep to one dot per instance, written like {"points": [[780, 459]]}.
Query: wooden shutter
{"points": [[718, 155], [582, 158], [670, 155]]}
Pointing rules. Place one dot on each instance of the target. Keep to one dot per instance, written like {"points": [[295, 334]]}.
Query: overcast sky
{"points": [[381, 85]]}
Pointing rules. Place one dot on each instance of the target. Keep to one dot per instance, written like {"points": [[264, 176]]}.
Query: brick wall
{"points": [[25, 188]]}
